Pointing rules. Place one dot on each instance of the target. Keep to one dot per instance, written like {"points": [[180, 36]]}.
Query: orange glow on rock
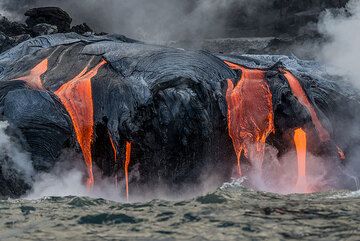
{"points": [[250, 114], [126, 168], [299, 93], [341, 153], [76, 96], [113, 146], [33, 79], [300, 145]]}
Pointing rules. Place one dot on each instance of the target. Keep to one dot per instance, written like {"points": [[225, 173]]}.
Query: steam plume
{"points": [[342, 52]]}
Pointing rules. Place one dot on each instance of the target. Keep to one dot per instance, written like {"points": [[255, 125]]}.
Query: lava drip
{"points": [[300, 145], [341, 153], [250, 114], [113, 146], [33, 79], [126, 168], [300, 94], [76, 96]]}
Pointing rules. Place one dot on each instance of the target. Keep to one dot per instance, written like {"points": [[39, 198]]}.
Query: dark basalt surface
{"points": [[51, 15], [169, 103]]}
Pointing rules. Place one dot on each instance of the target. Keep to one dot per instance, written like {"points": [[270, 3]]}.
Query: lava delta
{"points": [[172, 115]]}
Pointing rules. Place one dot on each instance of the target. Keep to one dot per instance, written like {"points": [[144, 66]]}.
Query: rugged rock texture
{"points": [[40, 21], [50, 15], [81, 29], [170, 104], [44, 29]]}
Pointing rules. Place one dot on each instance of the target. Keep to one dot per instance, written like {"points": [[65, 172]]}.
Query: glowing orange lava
{"points": [[126, 168], [76, 96], [300, 94], [33, 79], [250, 114], [300, 145]]}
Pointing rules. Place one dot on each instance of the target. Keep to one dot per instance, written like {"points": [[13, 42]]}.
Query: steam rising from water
{"points": [[13, 161], [71, 183]]}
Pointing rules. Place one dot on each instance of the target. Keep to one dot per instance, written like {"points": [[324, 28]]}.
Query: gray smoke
{"points": [[148, 20]]}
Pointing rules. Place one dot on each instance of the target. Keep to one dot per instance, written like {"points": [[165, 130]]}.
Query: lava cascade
{"points": [[126, 167], [33, 79], [300, 94], [250, 114], [76, 96], [300, 145]]}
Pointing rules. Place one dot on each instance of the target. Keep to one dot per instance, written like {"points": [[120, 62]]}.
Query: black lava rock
{"points": [[44, 29], [81, 29], [50, 15], [12, 28]]}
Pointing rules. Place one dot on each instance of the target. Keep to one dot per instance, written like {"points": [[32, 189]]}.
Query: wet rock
{"points": [[26, 210], [44, 29], [50, 15], [107, 218]]}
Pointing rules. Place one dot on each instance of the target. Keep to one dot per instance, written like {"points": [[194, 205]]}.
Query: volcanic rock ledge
{"points": [[163, 114]]}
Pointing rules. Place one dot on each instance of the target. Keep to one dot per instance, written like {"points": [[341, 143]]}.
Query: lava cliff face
{"points": [[168, 114]]}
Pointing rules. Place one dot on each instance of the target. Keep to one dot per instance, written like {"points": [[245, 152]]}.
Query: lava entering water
{"points": [[126, 167], [76, 96], [300, 94], [250, 114], [33, 79], [300, 145]]}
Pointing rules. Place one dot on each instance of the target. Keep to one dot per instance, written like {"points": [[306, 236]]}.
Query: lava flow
{"points": [[33, 79], [300, 145], [300, 94], [250, 114], [126, 167], [76, 96]]}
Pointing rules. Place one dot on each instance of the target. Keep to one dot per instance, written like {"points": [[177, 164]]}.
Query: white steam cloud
{"points": [[14, 162], [71, 183], [342, 52]]}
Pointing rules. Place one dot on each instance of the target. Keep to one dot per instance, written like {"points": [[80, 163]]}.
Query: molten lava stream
{"points": [[300, 145], [250, 115], [300, 94], [33, 79], [76, 96], [126, 168]]}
